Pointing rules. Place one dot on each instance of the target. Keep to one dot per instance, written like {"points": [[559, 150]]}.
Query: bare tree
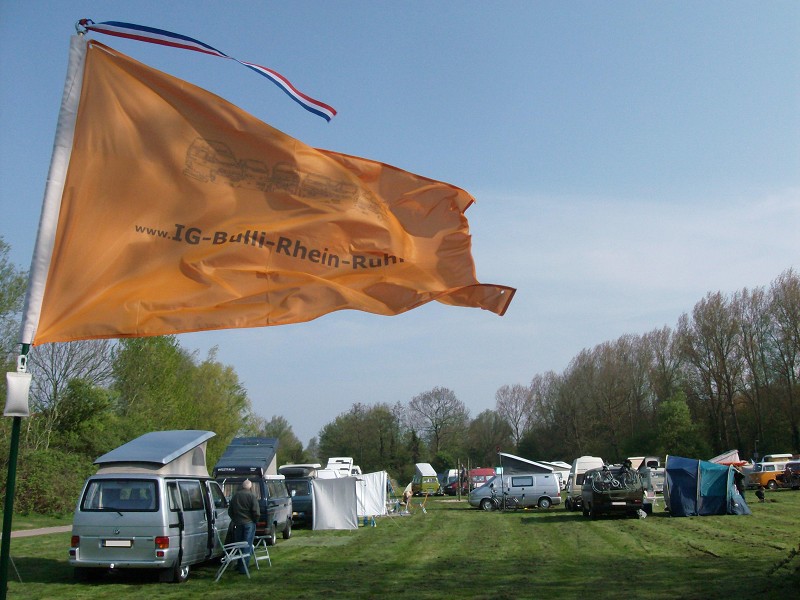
{"points": [[785, 310], [438, 413], [710, 343], [665, 364], [513, 403], [486, 433], [52, 367], [752, 312]]}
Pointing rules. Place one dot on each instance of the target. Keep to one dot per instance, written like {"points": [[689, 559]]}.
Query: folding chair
{"points": [[260, 544], [231, 553]]}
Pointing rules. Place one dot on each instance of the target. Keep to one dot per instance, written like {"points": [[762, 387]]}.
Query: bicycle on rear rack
{"points": [[497, 502]]}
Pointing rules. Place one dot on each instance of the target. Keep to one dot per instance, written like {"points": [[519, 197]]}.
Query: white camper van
{"points": [[151, 505], [575, 480]]}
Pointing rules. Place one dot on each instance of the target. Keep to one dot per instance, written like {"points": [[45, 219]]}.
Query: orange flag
{"points": [[181, 212]]}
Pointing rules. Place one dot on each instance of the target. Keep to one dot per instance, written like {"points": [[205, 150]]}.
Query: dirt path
{"points": [[42, 531]]}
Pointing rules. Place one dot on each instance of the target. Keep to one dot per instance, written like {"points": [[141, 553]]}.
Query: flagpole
{"points": [[9, 506], [40, 265], [11, 481]]}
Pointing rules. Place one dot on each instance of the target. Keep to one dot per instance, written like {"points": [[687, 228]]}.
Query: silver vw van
{"points": [[530, 489], [151, 505]]}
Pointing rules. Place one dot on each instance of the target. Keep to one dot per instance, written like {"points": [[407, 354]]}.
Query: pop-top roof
{"points": [[516, 464], [425, 470], [257, 453], [161, 447], [174, 452]]}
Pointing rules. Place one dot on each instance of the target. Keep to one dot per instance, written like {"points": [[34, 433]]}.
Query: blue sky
{"points": [[626, 157]]}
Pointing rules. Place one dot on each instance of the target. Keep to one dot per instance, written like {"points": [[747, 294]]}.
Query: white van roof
{"points": [[425, 469], [174, 452], [776, 457]]}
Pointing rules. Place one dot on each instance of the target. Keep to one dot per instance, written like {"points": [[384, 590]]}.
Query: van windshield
{"points": [[120, 495], [300, 488]]}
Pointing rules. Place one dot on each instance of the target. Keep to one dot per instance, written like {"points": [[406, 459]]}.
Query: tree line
{"points": [[725, 377]]}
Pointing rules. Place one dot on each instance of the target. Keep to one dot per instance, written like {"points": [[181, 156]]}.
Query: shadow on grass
{"points": [[48, 571], [562, 516]]}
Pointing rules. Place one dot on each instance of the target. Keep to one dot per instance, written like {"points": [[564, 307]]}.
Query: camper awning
{"points": [[515, 464]]}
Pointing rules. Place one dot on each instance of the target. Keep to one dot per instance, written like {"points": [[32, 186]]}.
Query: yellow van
{"points": [[766, 472], [425, 481]]}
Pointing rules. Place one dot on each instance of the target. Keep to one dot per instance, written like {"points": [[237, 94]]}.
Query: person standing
{"points": [[244, 513]]}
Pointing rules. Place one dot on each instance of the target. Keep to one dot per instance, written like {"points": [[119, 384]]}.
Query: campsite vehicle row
{"points": [[152, 504]]}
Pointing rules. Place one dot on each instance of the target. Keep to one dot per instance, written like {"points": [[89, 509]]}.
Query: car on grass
{"points": [[542, 490], [451, 489], [613, 489]]}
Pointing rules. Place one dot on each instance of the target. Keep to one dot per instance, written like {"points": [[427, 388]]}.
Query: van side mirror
{"points": [[293, 493]]}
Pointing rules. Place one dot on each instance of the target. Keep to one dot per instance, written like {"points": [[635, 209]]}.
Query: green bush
{"points": [[49, 481]]}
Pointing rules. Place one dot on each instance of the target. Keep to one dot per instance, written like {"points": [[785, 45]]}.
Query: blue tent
{"points": [[698, 487]]}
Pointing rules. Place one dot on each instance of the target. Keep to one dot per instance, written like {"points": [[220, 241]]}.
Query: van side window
{"points": [[172, 494], [191, 495], [522, 481], [217, 495]]}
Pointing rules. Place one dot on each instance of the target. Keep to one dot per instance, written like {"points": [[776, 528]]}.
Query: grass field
{"points": [[458, 552]]}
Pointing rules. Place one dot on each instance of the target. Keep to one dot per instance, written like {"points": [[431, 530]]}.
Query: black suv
{"points": [[612, 490]]}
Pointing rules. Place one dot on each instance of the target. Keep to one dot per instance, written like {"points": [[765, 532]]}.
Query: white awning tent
{"points": [[371, 491], [334, 503], [339, 502]]}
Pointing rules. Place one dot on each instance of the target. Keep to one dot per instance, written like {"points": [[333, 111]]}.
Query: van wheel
{"points": [[269, 533], [544, 502], [287, 530], [174, 574], [773, 485], [487, 505]]}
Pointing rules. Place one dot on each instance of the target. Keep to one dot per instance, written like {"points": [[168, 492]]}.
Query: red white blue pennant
{"points": [[176, 40]]}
